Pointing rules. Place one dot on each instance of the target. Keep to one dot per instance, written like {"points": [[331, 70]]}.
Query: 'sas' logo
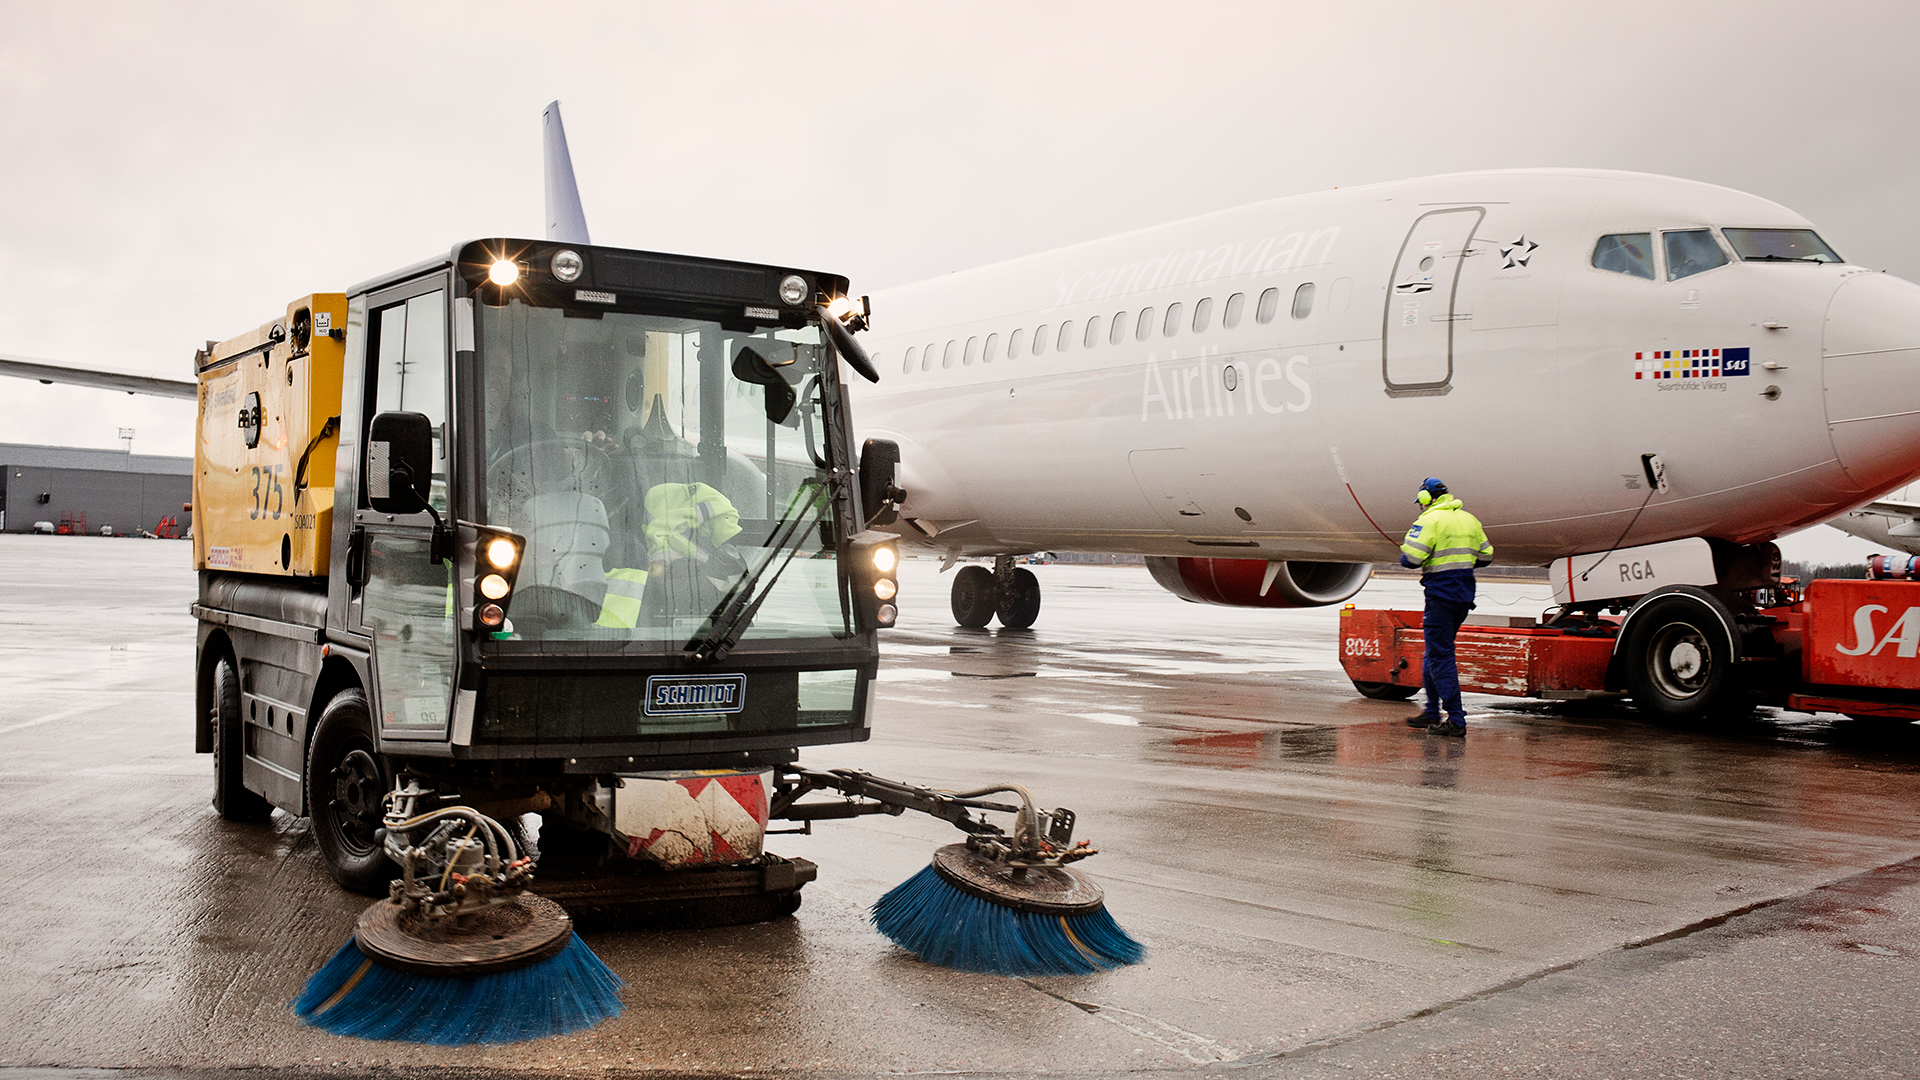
{"points": [[1903, 635]]}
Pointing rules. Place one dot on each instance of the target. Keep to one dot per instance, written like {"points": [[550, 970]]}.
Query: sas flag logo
{"points": [[1691, 364]]}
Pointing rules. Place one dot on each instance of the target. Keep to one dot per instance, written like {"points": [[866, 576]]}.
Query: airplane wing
{"points": [[21, 367], [1891, 508]]}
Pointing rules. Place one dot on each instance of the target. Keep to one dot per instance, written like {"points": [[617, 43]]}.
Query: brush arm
{"points": [[1040, 836]]}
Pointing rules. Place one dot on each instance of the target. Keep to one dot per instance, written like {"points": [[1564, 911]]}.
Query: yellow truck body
{"points": [[268, 427]]}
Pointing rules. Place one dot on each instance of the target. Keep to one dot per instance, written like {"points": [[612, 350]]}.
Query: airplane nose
{"points": [[1872, 374]]}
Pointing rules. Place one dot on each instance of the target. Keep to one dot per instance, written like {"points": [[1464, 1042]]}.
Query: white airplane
{"points": [[1596, 362]]}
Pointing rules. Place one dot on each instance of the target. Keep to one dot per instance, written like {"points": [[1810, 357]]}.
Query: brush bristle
{"points": [[929, 917], [568, 991]]}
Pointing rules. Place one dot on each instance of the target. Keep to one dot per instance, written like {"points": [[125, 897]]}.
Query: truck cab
{"points": [[534, 527]]}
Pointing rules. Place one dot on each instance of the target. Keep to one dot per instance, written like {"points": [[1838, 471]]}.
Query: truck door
{"points": [[1417, 338], [406, 601]]}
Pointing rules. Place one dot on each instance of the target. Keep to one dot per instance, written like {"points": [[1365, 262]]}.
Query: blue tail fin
{"points": [[565, 219]]}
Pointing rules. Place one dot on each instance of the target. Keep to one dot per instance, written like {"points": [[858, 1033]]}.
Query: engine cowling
{"points": [[1257, 582]]}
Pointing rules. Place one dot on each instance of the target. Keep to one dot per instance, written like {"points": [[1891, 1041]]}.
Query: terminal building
{"points": [[72, 489]]}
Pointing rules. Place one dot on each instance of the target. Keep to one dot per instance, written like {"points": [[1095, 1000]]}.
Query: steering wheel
{"points": [[556, 464]]}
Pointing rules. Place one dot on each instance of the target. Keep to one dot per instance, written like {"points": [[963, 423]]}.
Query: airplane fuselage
{"points": [[1358, 340]]}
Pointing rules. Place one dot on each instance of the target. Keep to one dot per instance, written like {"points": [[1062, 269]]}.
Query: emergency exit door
{"points": [[1417, 339]]}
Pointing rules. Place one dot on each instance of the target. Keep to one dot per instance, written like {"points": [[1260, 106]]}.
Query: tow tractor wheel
{"points": [[973, 596], [1019, 604], [1385, 691], [231, 799], [1680, 662], [345, 788]]}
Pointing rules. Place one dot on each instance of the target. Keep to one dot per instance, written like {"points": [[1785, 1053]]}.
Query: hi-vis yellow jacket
{"points": [[1446, 537]]}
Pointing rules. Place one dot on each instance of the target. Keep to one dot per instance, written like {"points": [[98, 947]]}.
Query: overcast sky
{"points": [[178, 172]]}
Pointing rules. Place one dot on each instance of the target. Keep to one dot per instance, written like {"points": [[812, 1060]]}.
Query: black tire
{"points": [[973, 596], [1680, 663], [231, 799], [1019, 605], [346, 788], [1385, 691]]}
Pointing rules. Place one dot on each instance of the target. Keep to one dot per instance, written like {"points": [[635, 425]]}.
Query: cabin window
{"points": [[926, 356], [1780, 245], [973, 351], [1013, 343], [1625, 253], [1230, 318], [1065, 340], [1093, 333], [1119, 332], [947, 355], [1202, 315], [1172, 324], [993, 349], [1269, 303], [1040, 340], [1303, 300], [907, 367], [1692, 252], [1144, 326]]}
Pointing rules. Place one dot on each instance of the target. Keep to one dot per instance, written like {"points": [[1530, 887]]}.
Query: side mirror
{"points": [[750, 366], [879, 470], [849, 349], [399, 462]]}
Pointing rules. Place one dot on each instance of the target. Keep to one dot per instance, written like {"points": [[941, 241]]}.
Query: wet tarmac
{"points": [[1570, 891]]}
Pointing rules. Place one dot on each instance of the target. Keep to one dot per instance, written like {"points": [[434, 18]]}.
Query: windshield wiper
{"points": [[1783, 258], [737, 608]]}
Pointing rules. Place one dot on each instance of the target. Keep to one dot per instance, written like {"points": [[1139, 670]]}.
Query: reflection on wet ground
{"points": [[1301, 865]]}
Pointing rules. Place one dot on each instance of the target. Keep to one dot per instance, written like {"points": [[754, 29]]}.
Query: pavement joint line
{"points": [[1709, 923], [1216, 1053]]}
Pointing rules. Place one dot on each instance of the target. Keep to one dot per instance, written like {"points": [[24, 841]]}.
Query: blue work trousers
{"points": [[1439, 623]]}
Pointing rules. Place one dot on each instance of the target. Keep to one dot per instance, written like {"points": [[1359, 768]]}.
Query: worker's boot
{"points": [[1423, 720]]}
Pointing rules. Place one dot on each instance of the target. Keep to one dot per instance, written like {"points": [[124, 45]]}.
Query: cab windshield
{"points": [[1780, 245], [657, 467]]}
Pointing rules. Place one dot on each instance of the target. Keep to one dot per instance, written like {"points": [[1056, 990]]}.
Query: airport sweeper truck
{"points": [[557, 550]]}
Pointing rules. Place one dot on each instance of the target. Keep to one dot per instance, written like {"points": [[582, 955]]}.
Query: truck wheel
{"points": [[231, 799], [346, 788], [1385, 691], [1680, 662], [973, 596], [1020, 605]]}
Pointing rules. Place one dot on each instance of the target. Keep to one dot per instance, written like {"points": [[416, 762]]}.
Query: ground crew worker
{"points": [[1445, 544]]}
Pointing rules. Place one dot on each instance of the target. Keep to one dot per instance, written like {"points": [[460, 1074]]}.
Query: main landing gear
{"points": [[1010, 592]]}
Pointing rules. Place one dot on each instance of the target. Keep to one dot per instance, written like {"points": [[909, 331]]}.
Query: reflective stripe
{"points": [[621, 608]]}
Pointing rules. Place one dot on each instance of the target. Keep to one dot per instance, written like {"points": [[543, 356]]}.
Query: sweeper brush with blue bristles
{"points": [[355, 995], [973, 912]]}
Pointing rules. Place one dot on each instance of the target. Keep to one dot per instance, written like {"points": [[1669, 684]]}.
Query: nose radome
{"points": [[1872, 361]]}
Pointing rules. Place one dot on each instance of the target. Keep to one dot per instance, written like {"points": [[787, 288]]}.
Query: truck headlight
{"points": [[503, 272], [793, 290], [502, 553], [567, 264], [494, 587]]}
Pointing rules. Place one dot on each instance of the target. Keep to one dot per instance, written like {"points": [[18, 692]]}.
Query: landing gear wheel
{"points": [[231, 799], [1680, 662], [1019, 604], [973, 596], [1385, 691], [346, 786]]}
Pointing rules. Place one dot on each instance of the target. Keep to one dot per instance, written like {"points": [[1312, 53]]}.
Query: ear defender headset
{"points": [[1430, 489]]}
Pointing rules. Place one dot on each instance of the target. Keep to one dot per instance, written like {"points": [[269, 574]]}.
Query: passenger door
{"points": [[406, 597], [1417, 335]]}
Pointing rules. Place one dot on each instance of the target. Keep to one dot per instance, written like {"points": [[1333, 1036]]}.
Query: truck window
{"points": [[410, 374], [647, 476]]}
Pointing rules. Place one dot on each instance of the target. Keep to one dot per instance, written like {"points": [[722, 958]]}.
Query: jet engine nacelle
{"points": [[1257, 582]]}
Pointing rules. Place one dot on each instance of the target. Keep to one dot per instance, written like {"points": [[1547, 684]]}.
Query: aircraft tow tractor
{"points": [[1681, 653]]}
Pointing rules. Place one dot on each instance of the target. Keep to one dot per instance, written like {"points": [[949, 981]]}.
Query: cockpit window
{"points": [[1780, 245], [1626, 253], [1691, 252]]}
